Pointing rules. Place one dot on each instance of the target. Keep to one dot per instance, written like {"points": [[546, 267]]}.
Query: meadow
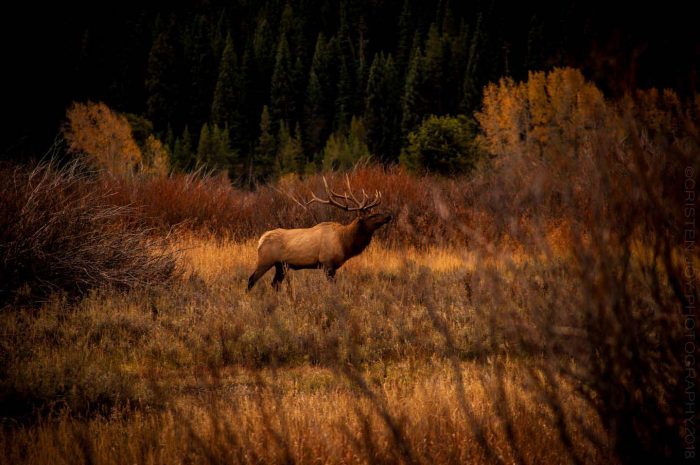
{"points": [[356, 371], [534, 311]]}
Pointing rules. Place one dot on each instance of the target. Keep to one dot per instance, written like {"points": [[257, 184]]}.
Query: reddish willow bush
{"points": [[428, 209]]}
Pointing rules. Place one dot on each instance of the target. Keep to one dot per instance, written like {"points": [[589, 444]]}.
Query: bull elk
{"points": [[327, 245]]}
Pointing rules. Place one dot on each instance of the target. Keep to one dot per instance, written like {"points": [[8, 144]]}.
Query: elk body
{"points": [[327, 245]]}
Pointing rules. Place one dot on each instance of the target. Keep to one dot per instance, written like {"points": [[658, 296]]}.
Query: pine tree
{"points": [[347, 77], [226, 107], [382, 108], [263, 166], [201, 64], [260, 64], [224, 156], [457, 49], [282, 101], [433, 63], [315, 122], [320, 96], [182, 151], [290, 156], [163, 79], [169, 139], [344, 99], [214, 149], [346, 147], [299, 155], [361, 66], [470, 87], [249, 99], [298, 82], [413, 103], [291, 26], [406, 27], [534, 57], [218, 34], [205, 148]]}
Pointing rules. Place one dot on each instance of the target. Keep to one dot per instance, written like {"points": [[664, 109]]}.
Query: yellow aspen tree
{"points": [[103, 136]]}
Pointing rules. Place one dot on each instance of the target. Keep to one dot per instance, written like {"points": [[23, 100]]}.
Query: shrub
{"points": [[442, 144], [60, 230]]}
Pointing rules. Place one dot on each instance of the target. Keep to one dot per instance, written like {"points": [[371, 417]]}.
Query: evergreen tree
{"points": [[433, 63], [282, 101], [249, 99], [260, 64], [226, 107], [320, 96], [263, 163], [344, 99], [406, 27], [346, 148], [457, 49], [298, 82], [290, 155], [182, 151], [214, 149], [382, 108], [299, 155], [201, 64], [218, 36], [169, 139], [163, 79], [225, 156], [362, 68], [205, 147], [347, 77], [533, 57], [315, 121], [291, 26], [413, 103], [470, 87]]}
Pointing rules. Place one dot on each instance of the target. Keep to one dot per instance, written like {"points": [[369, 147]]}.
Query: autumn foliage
{"points": [[103, 136]]}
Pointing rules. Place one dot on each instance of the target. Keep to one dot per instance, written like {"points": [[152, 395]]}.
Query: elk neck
{"points": [[355, 237]]}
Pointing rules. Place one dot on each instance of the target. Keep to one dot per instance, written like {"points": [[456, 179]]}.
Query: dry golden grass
{"points": [[211, 257], [309, 415], [352, 372]]}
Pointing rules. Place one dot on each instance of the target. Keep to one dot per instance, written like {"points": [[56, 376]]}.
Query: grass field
{"points": [[352, 372]]}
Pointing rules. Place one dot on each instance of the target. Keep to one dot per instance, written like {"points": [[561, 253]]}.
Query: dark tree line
{"points": [[235, 83]]}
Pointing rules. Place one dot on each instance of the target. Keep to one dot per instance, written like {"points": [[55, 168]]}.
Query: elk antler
{"points": [[336, 199]]}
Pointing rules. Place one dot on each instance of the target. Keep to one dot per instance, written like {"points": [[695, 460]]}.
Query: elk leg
{"points": [[279, 276], [330, 273], [257, 274]]}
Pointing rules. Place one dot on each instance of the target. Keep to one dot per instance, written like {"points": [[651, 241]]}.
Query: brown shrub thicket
{"points": [[61, 231]]}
